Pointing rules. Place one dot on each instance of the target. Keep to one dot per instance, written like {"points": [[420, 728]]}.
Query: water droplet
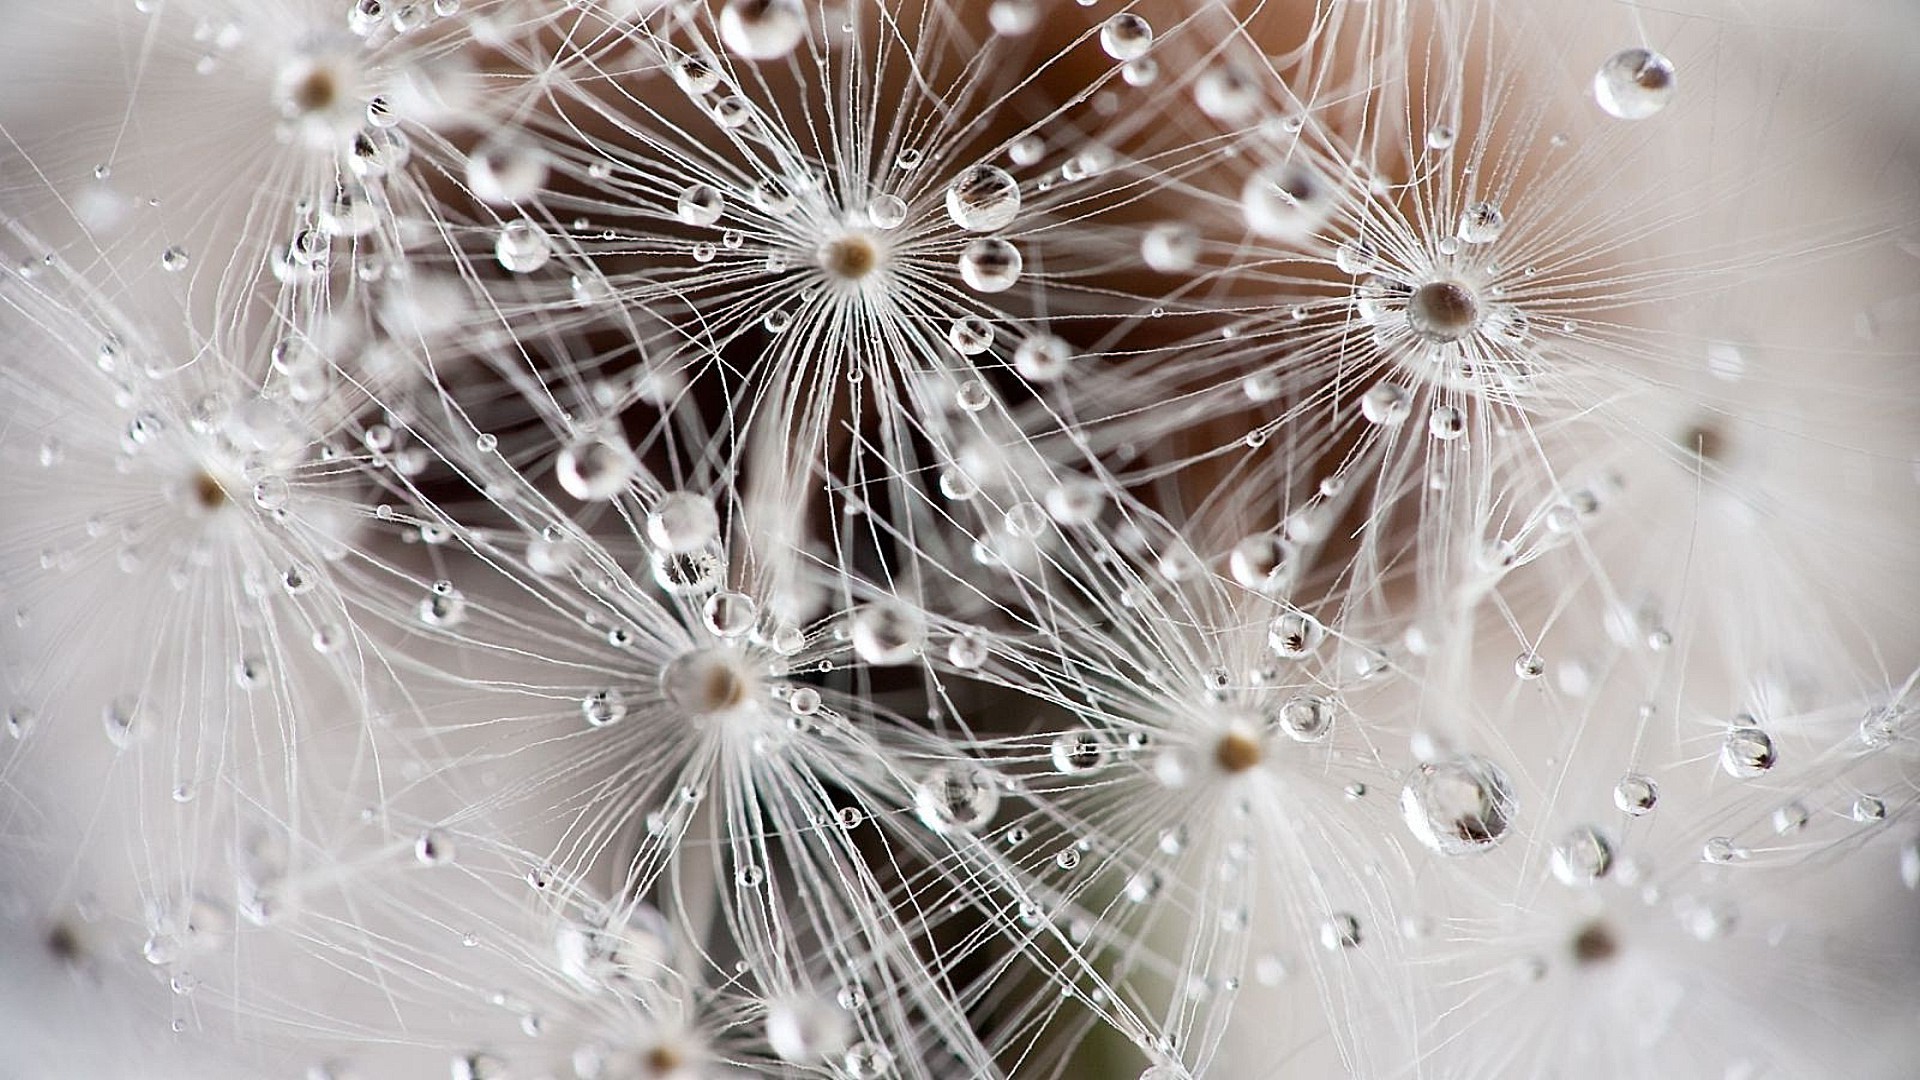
{"points": [[1341, 931], [805, 1029], [967, 651], [523, 247], [1635, 794], [1295, 634], [1746, 752], [506, 170], [867, 1061], [990, 265], [1078, 751], [1386, 404], [730, 614], [1868, 809], [888, 632], [970, 335], [1126, 36], [1226, 93], [433, 849], [984, 198], [443, 606], [1042, 358], [1581, 857], [956, 798], [603, 707], [595, 468], [1287, 201], [762, 29], [1481, 223], [1443, 311], [1306, 717], [1458, 805], [1634, 84], [174, 259]]}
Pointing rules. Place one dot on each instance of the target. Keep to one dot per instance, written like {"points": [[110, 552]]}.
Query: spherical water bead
{"points": [[121, 719], [867, 1061], [1386, 404], [955, 798], [271, 493], [523, 247], [433, 849], [1264, 562], [983, 198], [970, 335], [805, 1029], [595, 468], [443, 605], [1746, 752], [1443, 311], [972, 396], [174, 259], [1634, 84], [19, 721], [1075, 500], [603, 707], [1529, 666], [694, 74], [1582, 857], [1481, 223], [1441, 136], [1446, 423], [1126, 36], [803, 701], [774, 197], [887, 212], [967, 651], [1790, 818], [730, 614], [1458, 805], [1341, 931], [682, 522], [1013, 18], [1868, 809], [1042, 358], [762, 29], [1295, 634], [1143, 886], [1635, 795], [700, 204], [686, 574], [990, 265], [1286, 201], [1171, 247], [888, 632], [1306, 718], [1076, 752], [506, 170], [1227, 93]]}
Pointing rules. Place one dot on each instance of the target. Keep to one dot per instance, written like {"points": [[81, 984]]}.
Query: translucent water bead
{"points": [[990, 265], [1458, 805], [1126, 36], [522, 247], [1634, 84], [983, 198], [957, 797], [762, 29]]}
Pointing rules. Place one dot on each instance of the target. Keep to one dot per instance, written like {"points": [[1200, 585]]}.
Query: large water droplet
{"points": [[1634, 84], [956, 798], [983, 198], [762, 29], [1458, 805]]}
